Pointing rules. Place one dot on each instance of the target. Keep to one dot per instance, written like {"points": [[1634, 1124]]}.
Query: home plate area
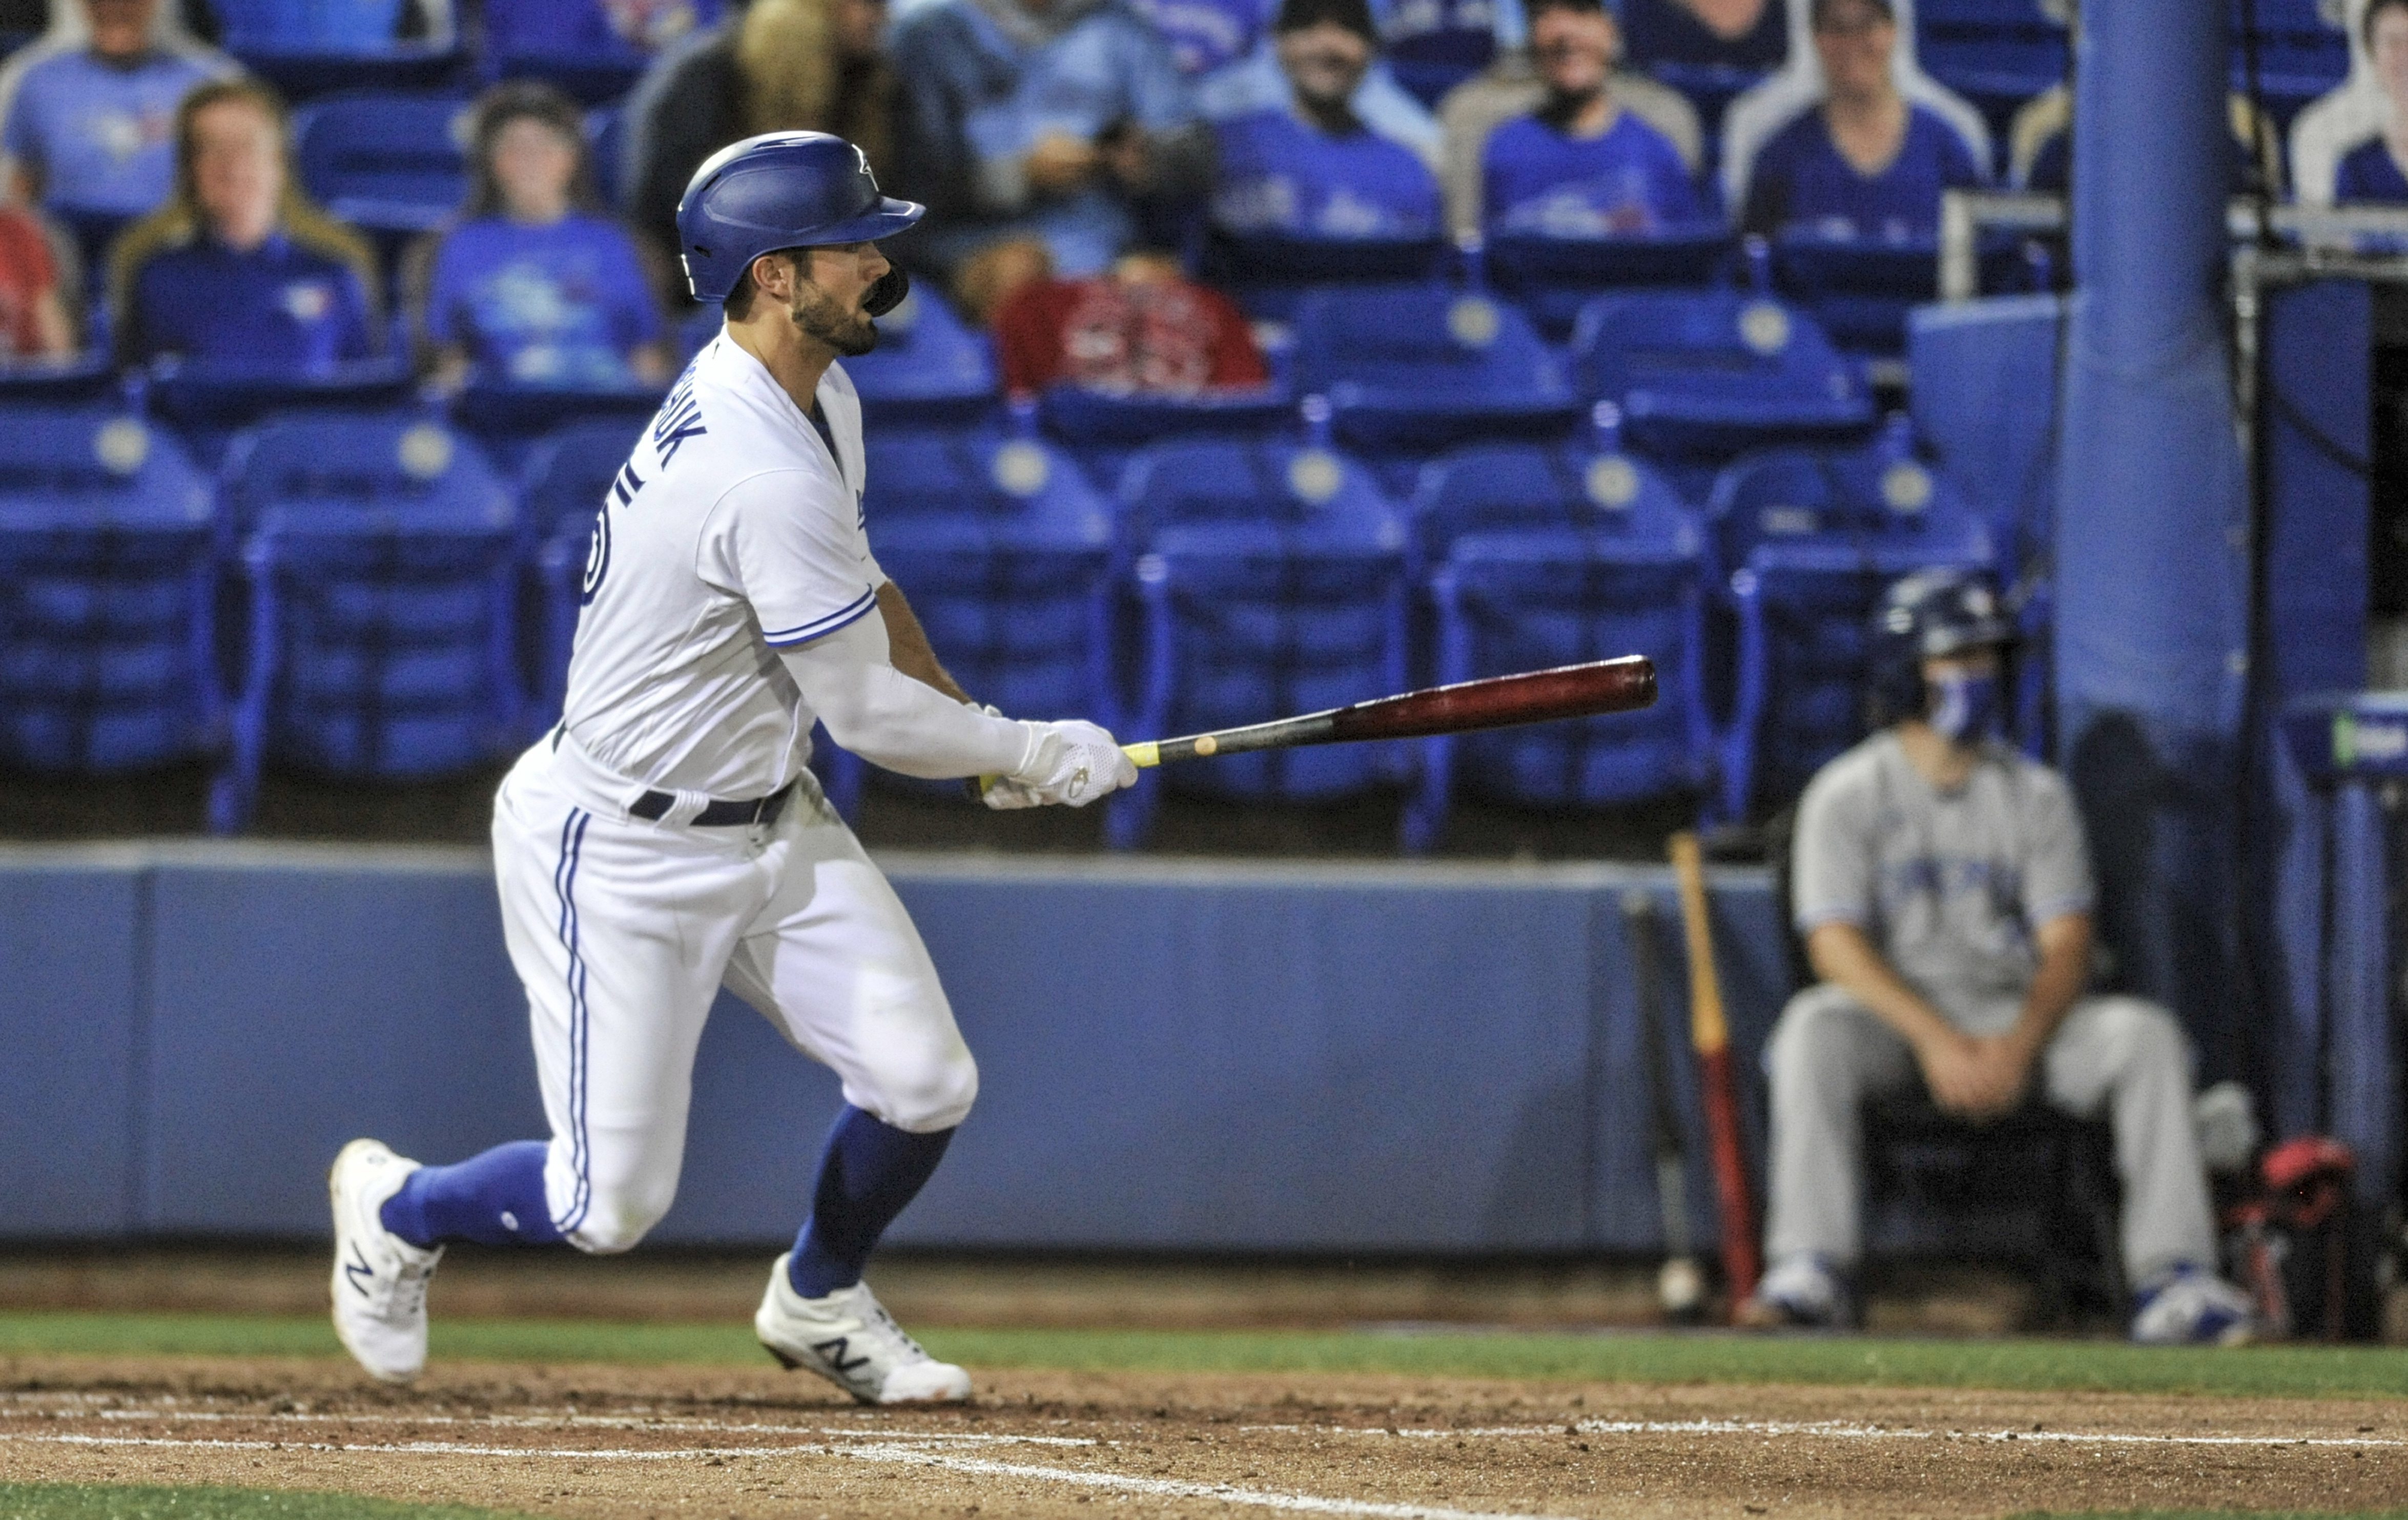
{"points": [[668, 1441]]}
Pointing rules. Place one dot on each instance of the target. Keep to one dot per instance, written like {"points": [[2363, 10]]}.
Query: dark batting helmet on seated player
{"points": [[1930, 615], [781, 190]]}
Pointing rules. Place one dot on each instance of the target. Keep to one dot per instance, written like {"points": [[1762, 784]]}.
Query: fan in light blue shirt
{"points": [[533, 286], [1581, 165], [1315, 170], [89, 127]]}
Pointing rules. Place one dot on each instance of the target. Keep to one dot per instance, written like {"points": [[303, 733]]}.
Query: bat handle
{"points": [[1144, 755]]}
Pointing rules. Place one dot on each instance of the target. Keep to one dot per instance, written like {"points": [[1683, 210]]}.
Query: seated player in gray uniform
{"points": [[1944, 890]]}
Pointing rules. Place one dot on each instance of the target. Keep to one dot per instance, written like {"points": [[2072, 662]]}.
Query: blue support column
{"points": [[2152, 541], [2364, 1105]]}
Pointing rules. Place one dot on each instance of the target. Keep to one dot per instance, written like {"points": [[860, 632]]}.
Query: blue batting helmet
{"points": [[781, 190], [1930, 615]]}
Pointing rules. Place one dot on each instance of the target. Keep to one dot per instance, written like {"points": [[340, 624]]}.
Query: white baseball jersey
{"points": [[729, 534]]}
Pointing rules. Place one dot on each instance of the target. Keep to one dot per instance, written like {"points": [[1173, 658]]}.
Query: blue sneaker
{"points": [[2190, 1306]]}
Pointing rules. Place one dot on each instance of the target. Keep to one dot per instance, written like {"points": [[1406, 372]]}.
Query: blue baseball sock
{"points": [[869, 1171], [495, 1198]]}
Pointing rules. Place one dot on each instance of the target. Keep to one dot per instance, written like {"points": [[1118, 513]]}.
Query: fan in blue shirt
{"points": [[533, 288], [1866, 164], [237, 270], [89, 127], [1317, 171], [1581, 165], [2371, 170], [1204, 34]]}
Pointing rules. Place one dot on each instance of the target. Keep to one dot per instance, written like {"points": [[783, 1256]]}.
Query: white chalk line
{"points": [[881, 1452], [1830, 1429]]}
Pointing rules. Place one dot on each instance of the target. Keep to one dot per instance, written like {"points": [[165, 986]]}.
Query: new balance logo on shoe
{"points": [[833, 1351], [358, 1272]]}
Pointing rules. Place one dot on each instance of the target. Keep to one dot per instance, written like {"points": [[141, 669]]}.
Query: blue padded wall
{"points": [[1174, 1055], [298, 1001], [70, 1042]]}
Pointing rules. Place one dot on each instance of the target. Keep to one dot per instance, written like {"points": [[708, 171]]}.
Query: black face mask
{"points": [[888, 292]]}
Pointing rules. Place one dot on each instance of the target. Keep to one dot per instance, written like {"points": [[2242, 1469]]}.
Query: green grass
{"points": [[110, 1501], [2301, 1372]]}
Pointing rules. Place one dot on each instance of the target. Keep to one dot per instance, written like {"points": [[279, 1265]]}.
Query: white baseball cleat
{"points": [[380, 1284], [849, 1339]]}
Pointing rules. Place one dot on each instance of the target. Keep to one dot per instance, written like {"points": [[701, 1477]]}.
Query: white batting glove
{"points": [[1002, 793], [1075, 762]]}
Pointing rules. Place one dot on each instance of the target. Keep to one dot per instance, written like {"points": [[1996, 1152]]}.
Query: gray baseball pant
{"points": [[2120, 1055]]}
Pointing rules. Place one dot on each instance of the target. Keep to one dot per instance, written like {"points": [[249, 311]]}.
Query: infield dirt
{"points": [[598, 1440]]}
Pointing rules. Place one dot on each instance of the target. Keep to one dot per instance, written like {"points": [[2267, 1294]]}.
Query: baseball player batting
{"points": [[665, 839]]}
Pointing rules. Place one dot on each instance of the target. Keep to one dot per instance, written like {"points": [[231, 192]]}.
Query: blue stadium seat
{"points": [[1272, 580], [508, 420], [567, 472], [1810, 540], [1859, 289], [1551, 557], [1996, 53], [382, 642], [1269, 273], [1703, 376], [606, 140], [208, 402], [75, 381], [1554, 277], [930, 368], [109, 544], [1102, 429], [1411, 369], [390, 163], [401, 463]]}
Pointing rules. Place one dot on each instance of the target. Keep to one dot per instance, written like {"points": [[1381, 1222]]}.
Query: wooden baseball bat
{"points": [[1496, 701], [1711, 1034]]}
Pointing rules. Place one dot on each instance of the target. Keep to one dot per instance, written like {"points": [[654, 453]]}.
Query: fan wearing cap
{"points": [[1314, 170], [1867, 163], [1581, 165], [1943, 889], [666, 839]]}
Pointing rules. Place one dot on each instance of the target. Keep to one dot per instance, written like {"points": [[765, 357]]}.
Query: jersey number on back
{"points": [[598, 558]]}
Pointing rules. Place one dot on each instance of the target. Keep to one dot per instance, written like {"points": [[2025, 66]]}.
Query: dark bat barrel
{"points": [[1541, 696]]}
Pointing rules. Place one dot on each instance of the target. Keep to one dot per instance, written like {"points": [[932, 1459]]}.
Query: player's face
{"points": [[1854, 38], [828, 295], [1324, 61], [2389, 46], [1574, 49]]}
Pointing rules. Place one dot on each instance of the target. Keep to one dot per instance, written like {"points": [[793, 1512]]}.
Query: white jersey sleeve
{"points": [[794, 551]]}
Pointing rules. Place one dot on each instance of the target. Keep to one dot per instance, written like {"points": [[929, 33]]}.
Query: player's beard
{"points": [[816, 312]]}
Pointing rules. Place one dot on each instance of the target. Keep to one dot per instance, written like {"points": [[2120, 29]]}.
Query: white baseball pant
{"points": [[623, 931], [1829, 1052]]}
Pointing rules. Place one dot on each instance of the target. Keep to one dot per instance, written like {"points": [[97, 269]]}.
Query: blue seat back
{"points": [[346, 25], [1410, 369], [1815, 540], [403, 462], [1521, 488], [1552, 277], [384, 637], [1859, 289], [385, 159], [566, 473], [1273, 576], [1007, 551], [929, 366], [1704, 375], [108, 546], [1535, 598]]}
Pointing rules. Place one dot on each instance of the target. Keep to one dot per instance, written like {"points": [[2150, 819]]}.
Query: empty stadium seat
{"points": [[1553, 277], [508, 420], [1996, 54], [1411, 369], [567, 472], [1860, 290], [1269, 273], [1271, 576], [109, 541], [929, 367], [606, 138], [1809, 541], [389, 162], [1101, 429], [382, 642], [400, 462], [1553, 557], [1702, 377], [208, 402]]}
